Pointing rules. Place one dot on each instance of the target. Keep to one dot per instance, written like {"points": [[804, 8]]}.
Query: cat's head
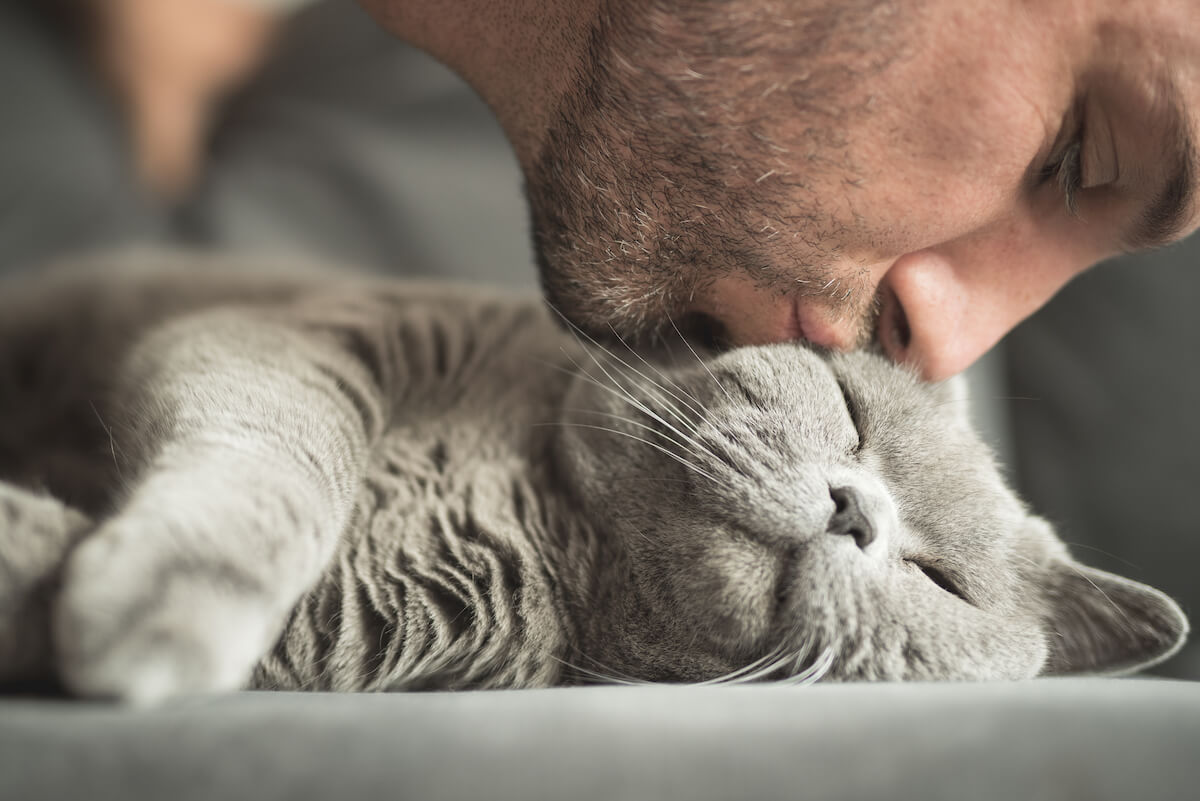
{"points": [[783, 508]]}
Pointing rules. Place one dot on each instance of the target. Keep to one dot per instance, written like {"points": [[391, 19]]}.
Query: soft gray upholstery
{"points": [[1088, 739]]}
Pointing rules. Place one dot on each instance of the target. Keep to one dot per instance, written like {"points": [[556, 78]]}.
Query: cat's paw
{"points": [[36, 533], [140, 624]]}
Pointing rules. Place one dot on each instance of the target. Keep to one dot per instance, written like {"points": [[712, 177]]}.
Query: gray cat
{"points": [[217, 479]]}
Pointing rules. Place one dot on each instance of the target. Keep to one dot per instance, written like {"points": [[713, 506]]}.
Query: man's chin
{"points": [[607, 303]]}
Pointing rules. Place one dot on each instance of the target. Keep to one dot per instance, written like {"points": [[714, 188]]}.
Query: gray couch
{"points": [[1087, 739]]}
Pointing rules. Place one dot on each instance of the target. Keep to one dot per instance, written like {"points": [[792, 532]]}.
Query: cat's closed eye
{"points": [[938, 577], [855, 415]]}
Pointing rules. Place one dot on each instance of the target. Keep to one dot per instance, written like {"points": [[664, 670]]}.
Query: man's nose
{"points": [[943, 308]]}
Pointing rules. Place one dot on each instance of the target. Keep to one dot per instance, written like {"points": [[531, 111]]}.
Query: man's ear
{"points": [[1100, 623]]}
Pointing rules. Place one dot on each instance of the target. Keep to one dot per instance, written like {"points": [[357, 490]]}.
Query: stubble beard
{"points": [[639, 203]]}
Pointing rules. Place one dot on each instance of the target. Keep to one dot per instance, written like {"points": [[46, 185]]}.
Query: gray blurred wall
{"points": [[1104, 395]]}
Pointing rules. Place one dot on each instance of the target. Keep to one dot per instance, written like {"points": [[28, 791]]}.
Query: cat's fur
{"points": [[217, 480]]}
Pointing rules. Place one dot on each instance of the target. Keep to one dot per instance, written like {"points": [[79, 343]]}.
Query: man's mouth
{"points": [[793, 322], [819, 324], [736, 312], [809, 326]]}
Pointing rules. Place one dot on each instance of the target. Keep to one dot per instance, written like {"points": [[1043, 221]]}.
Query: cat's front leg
{"points": [[36, 533], [250, 442]]}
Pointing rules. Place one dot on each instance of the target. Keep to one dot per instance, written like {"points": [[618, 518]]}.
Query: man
{"points": [[925, 173]]}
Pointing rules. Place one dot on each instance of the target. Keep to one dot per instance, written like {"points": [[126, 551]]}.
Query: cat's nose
{"points": [[849, 516]]}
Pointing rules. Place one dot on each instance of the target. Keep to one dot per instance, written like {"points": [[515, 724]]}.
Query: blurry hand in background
{"points": [[171, 63]]}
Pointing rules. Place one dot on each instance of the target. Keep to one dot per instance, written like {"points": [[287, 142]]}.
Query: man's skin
{"points": [[925, 173], [171, 63]]}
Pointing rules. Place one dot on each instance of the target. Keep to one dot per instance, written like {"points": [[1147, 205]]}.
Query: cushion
{"points": [[1053, 738]]}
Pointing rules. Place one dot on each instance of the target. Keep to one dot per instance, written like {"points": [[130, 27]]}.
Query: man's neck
{"points": [[521, 56]]}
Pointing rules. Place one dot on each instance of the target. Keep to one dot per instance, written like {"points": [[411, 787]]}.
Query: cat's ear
{"points": [[1101, 623]]}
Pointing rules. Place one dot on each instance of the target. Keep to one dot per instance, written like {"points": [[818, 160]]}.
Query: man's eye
{"points": [[1066, 170]]}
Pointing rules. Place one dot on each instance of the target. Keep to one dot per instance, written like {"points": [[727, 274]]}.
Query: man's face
{"points": [[922, 173]]}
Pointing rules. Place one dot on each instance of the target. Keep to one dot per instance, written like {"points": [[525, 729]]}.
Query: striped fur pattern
{"points": [[215, 478]]}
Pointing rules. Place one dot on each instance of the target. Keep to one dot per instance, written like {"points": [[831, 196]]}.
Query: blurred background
{"points": [[299, 128]]}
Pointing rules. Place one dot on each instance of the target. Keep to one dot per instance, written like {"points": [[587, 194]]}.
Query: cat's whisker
{"points": [[689, 446], [814, 672], [652, 395], [675, 389], [700, 411], [654, 445], [584, 375], [1103, 552], [612, 676], [655, 395], [703, 413], [788, 661], [1032, 565], [623, 393], [112, 446], [621, 418], [1097, 588], [576, 332], [737, 675], [773, 667], [703, 363], [626, 396], [642, 534], [731, 676]]}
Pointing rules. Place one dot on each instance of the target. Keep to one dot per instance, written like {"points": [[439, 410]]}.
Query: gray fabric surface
{"points": [[1050, 739]]}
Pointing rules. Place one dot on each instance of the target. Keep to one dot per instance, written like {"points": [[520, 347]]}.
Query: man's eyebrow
{"points": [[1165, 219]]}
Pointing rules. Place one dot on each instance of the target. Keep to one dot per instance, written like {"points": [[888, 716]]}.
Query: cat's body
{"points": [[328, 484]]}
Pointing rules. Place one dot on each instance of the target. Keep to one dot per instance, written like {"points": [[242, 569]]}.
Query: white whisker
{"points": [[651, 429], [703, 364], [814, 672], [627, 397], [1124, 614], [701, 411], [772, 667], [611, 677], [576, 332], [738, 675], [654, 445]]}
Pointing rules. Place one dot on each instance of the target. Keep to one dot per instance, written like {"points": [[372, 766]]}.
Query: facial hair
{"points": [[654, 182]]}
